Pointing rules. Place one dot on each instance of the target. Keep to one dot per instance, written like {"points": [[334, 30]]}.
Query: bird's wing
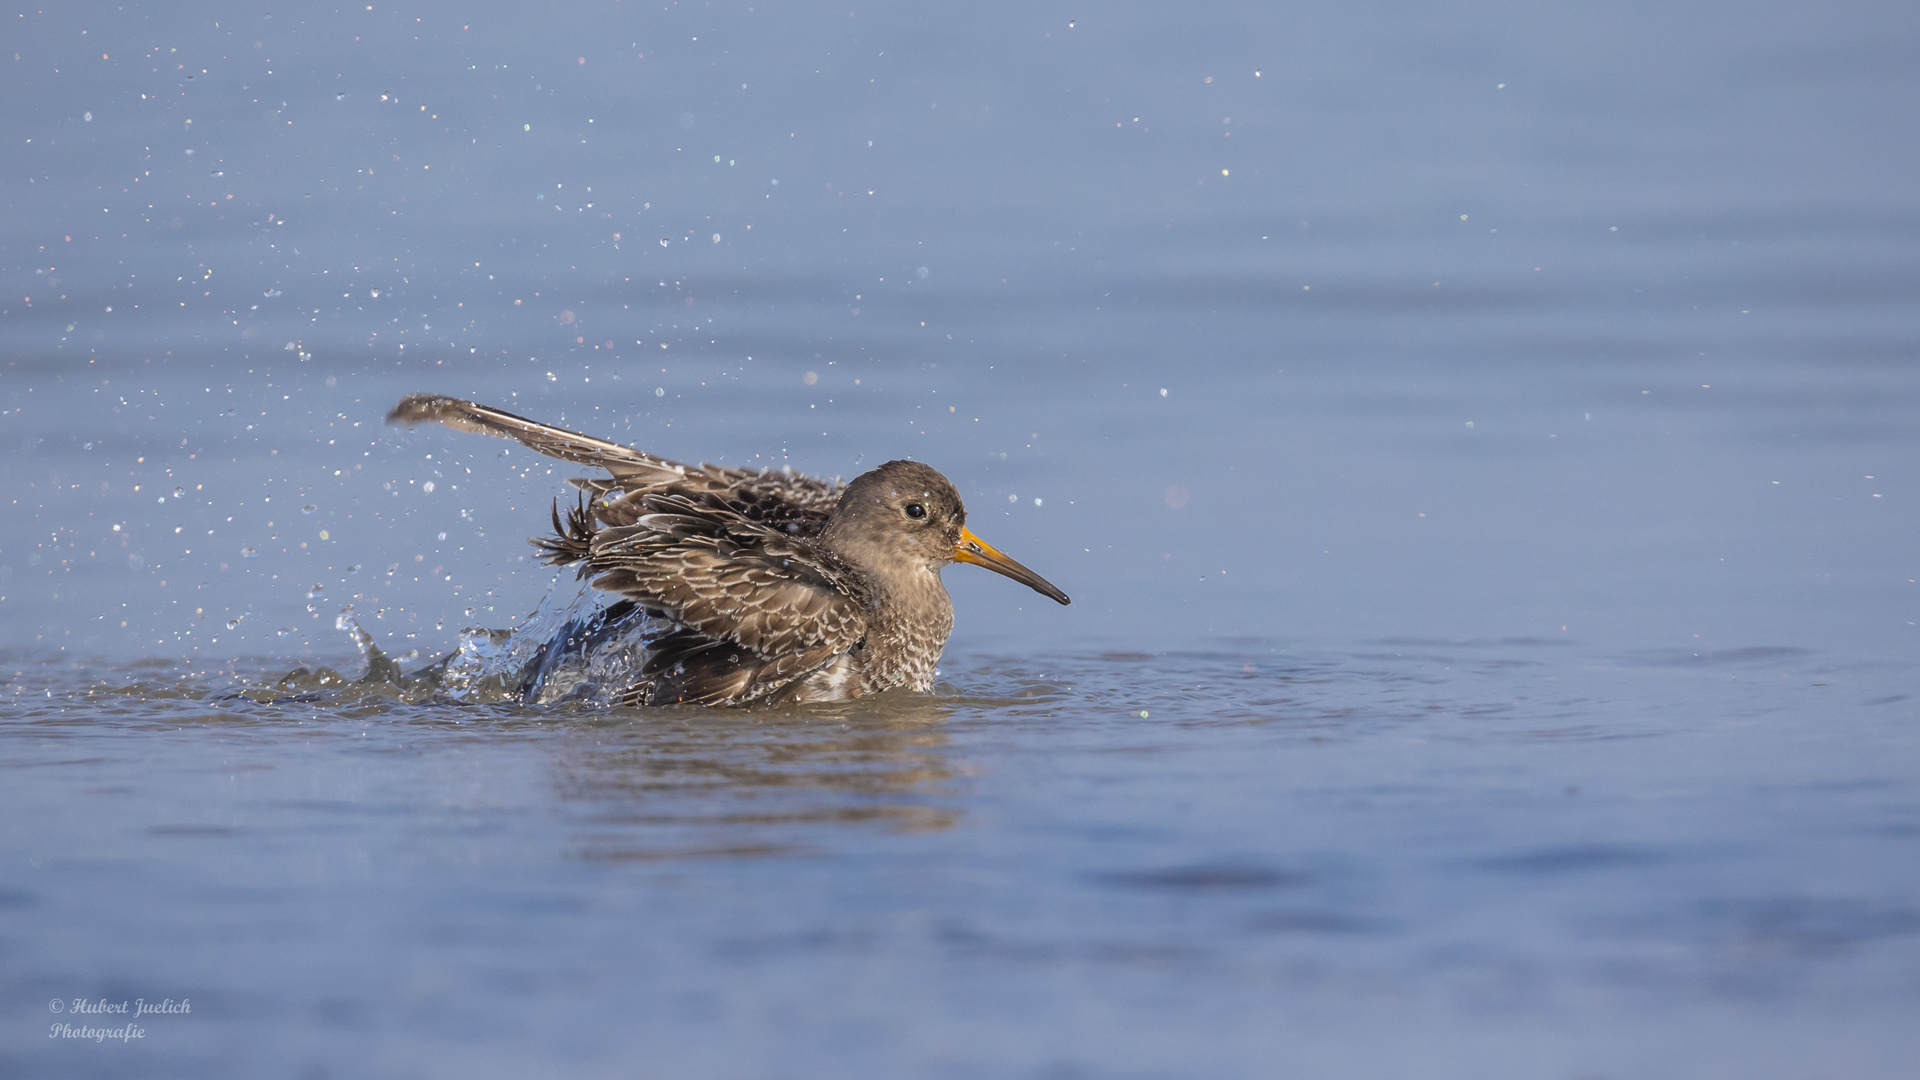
{"points": [[786, 500], [775, 496], [755, 607], [622, 461], [758, 492]]}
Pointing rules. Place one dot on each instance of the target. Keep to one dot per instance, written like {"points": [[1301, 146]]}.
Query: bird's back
{"points": [[780, 498]]}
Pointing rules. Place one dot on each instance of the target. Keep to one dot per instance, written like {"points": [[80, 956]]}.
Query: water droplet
{"points": [[314, 593], [285, 631], [233, 624], [716, 238], [249, 553], [664, 241], [308, 509], [179, 492], [659, 391]]}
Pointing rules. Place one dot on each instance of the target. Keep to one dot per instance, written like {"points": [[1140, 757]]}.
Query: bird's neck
{"points": [[911, 621]]}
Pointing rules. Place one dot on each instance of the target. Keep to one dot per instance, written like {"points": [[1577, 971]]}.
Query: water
{"points": [[1479, 446]]}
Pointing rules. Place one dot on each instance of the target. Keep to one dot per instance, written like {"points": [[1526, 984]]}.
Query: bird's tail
{"points": [[572, 539]]}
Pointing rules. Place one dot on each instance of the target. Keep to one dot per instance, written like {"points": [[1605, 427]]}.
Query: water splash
{"points": [[570, 648], [594, 658], [381, 668]]}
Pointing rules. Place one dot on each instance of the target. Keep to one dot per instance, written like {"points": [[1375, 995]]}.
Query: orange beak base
{"points": [[972, 549]]}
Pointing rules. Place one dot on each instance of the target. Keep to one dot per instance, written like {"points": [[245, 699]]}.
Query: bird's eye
{"points": [[916, 511]]}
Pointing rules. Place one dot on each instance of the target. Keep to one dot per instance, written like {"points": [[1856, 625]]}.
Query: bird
{"points": [[762, 586]]}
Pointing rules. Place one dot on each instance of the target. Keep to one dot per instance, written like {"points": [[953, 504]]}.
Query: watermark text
{"points": [[124, 1033], [138, 1007]]}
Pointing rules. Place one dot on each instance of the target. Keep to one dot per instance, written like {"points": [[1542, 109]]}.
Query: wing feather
{"points": [[728, 577], [777, 496], [621, 461], [755, 608]]}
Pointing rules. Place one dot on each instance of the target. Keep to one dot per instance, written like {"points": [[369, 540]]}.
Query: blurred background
{"points": [[1447, 321]]}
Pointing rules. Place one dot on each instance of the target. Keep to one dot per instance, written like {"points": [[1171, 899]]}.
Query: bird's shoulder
{"points": [[712, 568]]}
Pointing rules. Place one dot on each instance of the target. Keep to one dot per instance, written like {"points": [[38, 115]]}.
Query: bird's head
{"points": [[906, 513]]}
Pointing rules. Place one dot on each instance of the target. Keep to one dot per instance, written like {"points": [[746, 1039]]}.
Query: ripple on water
{"points": [[1503, 825]]}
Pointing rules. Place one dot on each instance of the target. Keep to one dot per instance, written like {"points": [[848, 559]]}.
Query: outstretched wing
{"points": [[621, 461], [775, 496], [754, 608]]}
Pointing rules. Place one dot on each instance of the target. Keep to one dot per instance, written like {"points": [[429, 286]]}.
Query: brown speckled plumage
{"points": [[769, 585]]}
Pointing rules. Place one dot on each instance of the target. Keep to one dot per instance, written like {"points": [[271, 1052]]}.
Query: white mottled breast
{"points": [[838, 681], [903, 645], [902, 648]]}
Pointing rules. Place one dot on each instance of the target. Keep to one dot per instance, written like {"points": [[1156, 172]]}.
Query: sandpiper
{"points": [[765, 585]]}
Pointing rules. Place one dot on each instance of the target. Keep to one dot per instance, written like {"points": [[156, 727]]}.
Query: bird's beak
{"points": [[980, 553]]}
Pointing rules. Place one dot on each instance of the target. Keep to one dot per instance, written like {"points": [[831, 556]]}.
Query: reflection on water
{"points": [[668, 783], [655, 783], [1403, 831], [685, 786]]}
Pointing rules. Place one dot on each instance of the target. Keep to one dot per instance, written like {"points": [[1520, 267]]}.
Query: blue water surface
{"points": [[1478, 440]]}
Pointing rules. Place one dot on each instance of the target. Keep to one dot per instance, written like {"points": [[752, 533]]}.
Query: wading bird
{"points": [[760, 585]]}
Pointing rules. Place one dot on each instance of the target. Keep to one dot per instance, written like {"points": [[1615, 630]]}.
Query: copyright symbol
{"points": [[56, 1005]]}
